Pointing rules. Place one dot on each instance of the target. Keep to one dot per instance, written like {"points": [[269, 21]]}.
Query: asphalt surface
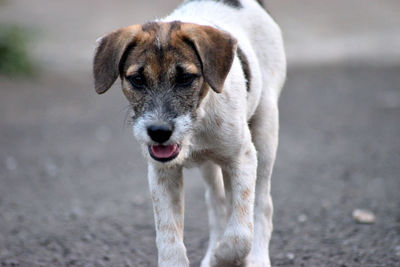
{"points": [[73, 189]]}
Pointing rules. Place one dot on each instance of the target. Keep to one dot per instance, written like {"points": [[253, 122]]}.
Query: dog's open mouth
{"points": [[164, 153]]}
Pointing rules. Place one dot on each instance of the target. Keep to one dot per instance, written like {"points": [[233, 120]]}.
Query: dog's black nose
{"points": [[159, 133]]}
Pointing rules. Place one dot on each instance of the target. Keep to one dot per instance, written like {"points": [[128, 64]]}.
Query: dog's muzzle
{"points": [[161, 134]]}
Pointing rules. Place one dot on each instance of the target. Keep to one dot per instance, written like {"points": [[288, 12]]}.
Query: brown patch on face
{"points": [[162, 59], [156, 54]]}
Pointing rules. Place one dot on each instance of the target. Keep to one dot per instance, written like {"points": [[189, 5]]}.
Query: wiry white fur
{"points": [[236, 159], [182, 127], [140, 128], [181, 134]]}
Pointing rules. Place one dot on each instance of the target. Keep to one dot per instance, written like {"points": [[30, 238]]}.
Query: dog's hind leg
{"points": [[264, 128], [215, 201]]}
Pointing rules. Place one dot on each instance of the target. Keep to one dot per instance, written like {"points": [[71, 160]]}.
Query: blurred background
{"points": [[73, 188]]}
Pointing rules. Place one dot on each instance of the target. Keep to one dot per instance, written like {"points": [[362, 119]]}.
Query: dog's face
{"points": [[166, 70]]}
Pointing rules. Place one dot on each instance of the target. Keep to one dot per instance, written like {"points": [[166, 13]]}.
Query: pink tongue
{"points": [[163, 152]]}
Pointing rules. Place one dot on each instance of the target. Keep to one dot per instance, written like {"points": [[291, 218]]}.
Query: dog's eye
{"points": [[137, 81], [185, 79]]}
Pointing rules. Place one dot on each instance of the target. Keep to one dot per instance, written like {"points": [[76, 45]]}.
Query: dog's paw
{"points": [[232, 250], [173, 255]]}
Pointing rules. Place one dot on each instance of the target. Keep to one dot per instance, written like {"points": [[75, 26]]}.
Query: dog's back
{"points": [[260, 45]]}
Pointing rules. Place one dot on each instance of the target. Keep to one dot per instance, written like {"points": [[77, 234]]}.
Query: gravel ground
{"points": [[73, 189]]}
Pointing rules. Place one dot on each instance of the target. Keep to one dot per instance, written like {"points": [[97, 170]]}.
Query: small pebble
{"points": [[290, 256], [363, 216], [302, 218], [75, 213], [87, 237]]}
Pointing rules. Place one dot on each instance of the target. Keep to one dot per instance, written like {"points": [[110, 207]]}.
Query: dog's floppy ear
{"points": [[216, 50], [108, 55]]}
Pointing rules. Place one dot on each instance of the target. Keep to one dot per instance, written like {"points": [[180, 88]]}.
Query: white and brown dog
{"points": [[230, 132]]}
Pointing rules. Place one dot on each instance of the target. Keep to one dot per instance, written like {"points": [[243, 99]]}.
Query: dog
{"points": [[203, 85]]}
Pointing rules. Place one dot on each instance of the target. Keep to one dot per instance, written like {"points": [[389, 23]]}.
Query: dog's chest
{"points": [[210, 146], [198, 157]]}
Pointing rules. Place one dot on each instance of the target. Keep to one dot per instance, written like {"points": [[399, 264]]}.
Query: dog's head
{"points": [[166, 70]]}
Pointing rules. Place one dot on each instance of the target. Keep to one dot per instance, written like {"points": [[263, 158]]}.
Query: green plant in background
{"points": [[14, 56]]}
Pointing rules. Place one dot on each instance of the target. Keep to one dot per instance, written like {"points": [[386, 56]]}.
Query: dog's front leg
{"points": [[238, 236], [166, 188]]}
